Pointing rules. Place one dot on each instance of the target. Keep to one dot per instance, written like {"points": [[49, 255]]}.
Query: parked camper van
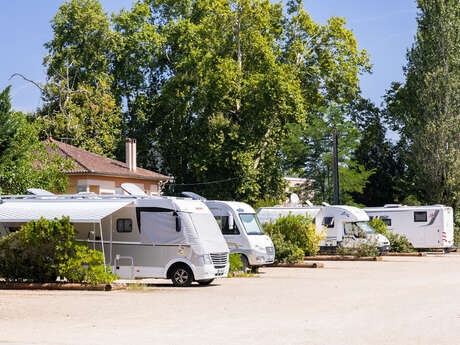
{"points": [[346, 226], [242, 231], [140, 236], [424, 226]]}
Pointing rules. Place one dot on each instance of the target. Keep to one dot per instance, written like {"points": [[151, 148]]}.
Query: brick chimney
{"points": [[130, 145]]}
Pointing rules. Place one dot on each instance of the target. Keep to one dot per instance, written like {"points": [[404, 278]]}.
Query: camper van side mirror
{"points": [[178, 223]]}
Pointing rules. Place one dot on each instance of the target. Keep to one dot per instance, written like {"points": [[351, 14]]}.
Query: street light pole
{"points": [[335, 167]]}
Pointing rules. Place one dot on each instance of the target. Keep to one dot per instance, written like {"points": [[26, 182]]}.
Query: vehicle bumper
{"points": [[210, 272], [384, 249], [256, 258]]}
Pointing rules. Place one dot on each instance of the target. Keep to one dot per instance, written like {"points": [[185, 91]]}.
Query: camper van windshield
{"points": [[251, 224], [366, 227], [205, 225]]}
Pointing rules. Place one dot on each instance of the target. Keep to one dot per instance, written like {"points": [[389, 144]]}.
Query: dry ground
{"points": [[410, 300]]}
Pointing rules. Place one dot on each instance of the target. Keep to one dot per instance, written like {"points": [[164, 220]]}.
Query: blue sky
{"points": [[385, 28]]}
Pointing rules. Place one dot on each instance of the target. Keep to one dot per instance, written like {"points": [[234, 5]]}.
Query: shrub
{"points": [[379, 226], [398, 243], [362, 249], [293, 238], [235, 263], [42, 250]]}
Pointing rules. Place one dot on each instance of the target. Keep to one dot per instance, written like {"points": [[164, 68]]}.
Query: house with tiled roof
{"points": [[102, 175]]}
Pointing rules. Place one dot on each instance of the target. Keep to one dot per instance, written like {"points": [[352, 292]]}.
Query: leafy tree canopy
{"points": [[426, 108], [208, 87], [25, 162]]}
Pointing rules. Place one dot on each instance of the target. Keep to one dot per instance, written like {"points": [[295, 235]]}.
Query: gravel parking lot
{"points": [[401, 300]]}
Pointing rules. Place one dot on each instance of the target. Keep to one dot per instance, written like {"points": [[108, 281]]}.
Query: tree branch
{"points": [[26, 79]]}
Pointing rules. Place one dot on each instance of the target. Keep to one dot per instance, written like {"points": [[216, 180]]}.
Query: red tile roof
{"points": [[86, 162]]}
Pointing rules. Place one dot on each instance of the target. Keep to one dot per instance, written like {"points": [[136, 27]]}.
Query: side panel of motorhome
{"points": [[130, 252], [424, 227]]}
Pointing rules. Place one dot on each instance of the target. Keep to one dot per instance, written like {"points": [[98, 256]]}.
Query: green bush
{"points": [[362, 249], [293, 238], [235, 264], [398, 243], [42, 250]]}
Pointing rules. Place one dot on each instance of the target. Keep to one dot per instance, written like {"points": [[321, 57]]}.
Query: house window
{"points": [[82, 188], [124, 225], [420, 217]]}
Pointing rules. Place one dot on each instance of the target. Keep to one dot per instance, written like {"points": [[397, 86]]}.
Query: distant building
{"points": [[299, 185], [295, 182], [102, 175]]}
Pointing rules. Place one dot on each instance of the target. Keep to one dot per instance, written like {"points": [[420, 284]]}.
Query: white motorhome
{"points": [[346, 226], [424, 226], [140, 236], [242, 231]]}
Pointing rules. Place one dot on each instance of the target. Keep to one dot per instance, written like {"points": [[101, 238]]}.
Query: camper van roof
{"points": [[354, 213], [78, 211], [406, 208]]}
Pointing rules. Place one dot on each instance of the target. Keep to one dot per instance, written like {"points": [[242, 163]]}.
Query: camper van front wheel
{"points": [[245, 262], [182, 275]]}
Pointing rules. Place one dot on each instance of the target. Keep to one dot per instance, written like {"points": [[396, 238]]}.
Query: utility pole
{"points": [[335, 167]]}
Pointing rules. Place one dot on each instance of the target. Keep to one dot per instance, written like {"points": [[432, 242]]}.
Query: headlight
{"points": [[206, 259]]}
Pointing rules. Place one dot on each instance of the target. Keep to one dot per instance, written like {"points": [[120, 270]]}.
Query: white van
{"points": [[242, 231], [140, 237], [346, 226], [424, 226]]}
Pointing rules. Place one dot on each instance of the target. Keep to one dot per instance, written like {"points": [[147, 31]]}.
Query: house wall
{"points": [[109, 184]]}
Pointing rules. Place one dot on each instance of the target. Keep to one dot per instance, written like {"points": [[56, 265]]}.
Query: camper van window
{"points": [[420, 217], [219, 221], [251, 224], [124, 225], [386, 221], [328, 221], [224, 226]]}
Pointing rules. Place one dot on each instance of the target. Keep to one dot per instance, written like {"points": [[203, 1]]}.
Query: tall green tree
{"points": [[26, 162], [78, 103], [426, 108], [86, 116], [208, 87], [308, 153], [226, 79], [375, 152], [82, 44]]}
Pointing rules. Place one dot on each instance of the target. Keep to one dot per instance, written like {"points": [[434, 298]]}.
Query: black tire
{"points": [[182, 276], [205, 282], [245, 262], [255, 269]]}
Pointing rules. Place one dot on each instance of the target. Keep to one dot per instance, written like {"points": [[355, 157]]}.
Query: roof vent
{"points": [[194, 196], [392, 205]]}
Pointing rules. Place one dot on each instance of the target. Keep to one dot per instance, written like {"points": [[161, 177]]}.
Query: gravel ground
{"points": [[401, 300]]}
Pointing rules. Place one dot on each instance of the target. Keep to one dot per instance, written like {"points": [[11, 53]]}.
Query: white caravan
{"points": [[346, 226], [242, 231], [424, 226], [140, 237]]}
